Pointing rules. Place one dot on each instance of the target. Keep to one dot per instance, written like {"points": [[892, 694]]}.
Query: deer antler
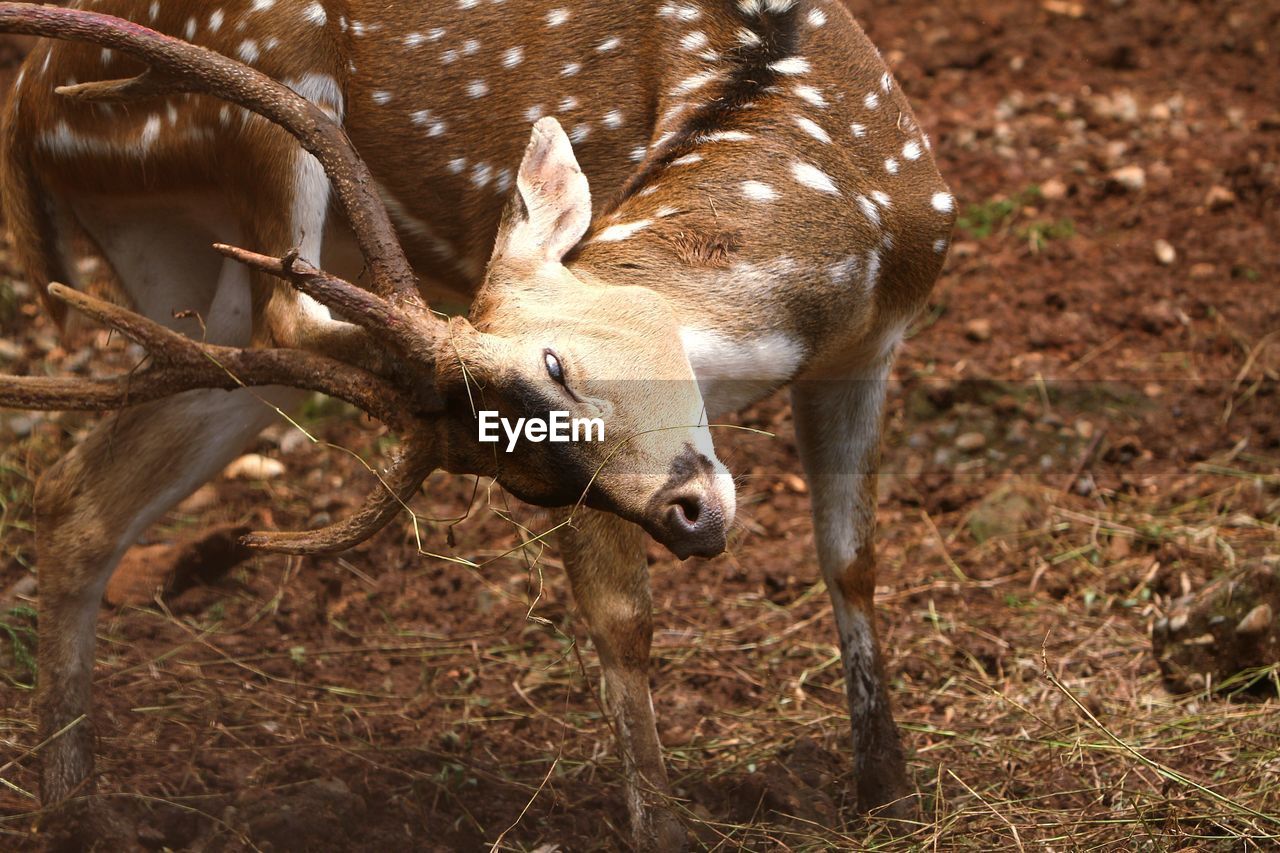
{"points": [[394, 312]]}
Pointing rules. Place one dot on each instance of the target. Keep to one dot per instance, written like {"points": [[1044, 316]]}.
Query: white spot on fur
{"points": [[871, 101], [817, 17], [882, 198], [262, 5], [679, 11], [869, 210], [757, 191], [891, 166], [694, 40], [216, 18], [189, 31], [612, 119], [940, 245], [792, 65], [810, 94], [886, 81], [382, 98], [622, 231], [813, 177], [608, 45], [579, 133], [912, 150], [570, 69], [512, 57], [477, 89], [943, 202], [316, 14], [248, 51], [859, 130], [150, 131], [481, 175], [556, 17], [568, 103], [534, 113], [449, 57], [695, 81], [687, 160], [812, 128], [457, 165], [470, 47], [414, 39], [726, 136]]}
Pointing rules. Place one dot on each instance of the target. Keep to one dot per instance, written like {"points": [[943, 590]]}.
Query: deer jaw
{"points": [[542, 337]]}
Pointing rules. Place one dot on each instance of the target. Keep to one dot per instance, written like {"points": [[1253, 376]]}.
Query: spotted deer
{"points": [[763, 211]]}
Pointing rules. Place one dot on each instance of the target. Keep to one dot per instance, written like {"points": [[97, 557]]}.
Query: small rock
{"points": [[1219, 198], [1165, 253], [796, 484], [1053, 190], [978, 329], [254, 466], [9, 351], [971, 441], [1202, 271], [22, 425], [1255, 621], [1132, 178], [1160, 113]]}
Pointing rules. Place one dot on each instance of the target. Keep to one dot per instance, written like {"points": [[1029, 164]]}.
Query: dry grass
{"points": [[1029, 696]]}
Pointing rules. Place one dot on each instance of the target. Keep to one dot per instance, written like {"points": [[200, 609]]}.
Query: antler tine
{"points": [[176, 66], [418, 457], [356, 304], [182, 364]]}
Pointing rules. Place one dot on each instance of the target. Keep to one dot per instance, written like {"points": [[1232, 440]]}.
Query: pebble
{"points": [[1165, 253], [254, 466], [1219, 198], [1053, 189], [978, 329], [1132, 178], [796, 484], [971, 441], [1256, 620]]}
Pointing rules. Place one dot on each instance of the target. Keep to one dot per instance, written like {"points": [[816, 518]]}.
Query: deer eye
{"points": [[554, 369]]}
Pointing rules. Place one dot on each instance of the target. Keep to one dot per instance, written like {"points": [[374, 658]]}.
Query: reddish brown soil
{"points": [[1127, 414]]}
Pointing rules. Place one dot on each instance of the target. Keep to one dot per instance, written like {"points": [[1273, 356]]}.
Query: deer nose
{"points": [[688, 514], [695, 523]]}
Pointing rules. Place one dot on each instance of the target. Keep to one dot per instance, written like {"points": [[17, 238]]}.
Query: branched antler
{"points": [[393, 313]]}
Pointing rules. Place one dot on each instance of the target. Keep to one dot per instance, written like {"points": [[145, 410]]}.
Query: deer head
{"points": [[543, 336]]}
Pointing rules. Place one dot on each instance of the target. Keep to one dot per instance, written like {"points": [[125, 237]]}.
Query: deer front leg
{"points": [[604, 556], [838, 432]]}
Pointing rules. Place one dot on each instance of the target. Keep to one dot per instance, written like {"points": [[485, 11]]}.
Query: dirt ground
{"points": [[1083, 427]]}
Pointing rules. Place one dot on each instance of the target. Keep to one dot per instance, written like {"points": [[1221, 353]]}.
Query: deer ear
{"points": [[551, 209]]}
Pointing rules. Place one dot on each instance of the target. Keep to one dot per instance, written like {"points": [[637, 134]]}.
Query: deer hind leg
{"points": [[133, 466], [604, 556], [838, 424]]}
